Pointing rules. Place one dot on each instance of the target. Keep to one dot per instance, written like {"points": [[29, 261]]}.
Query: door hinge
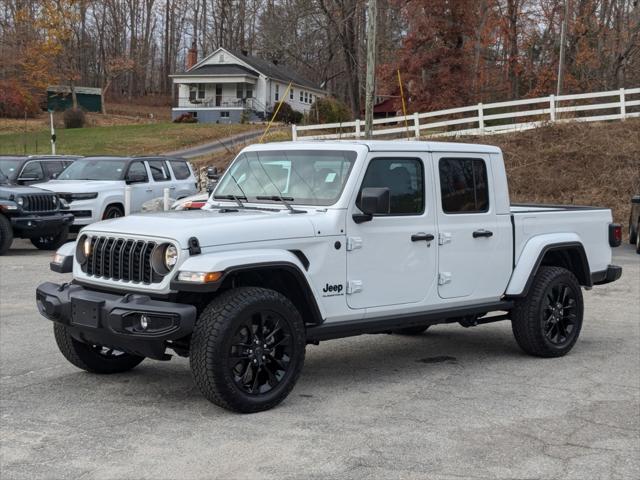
{"points": [[444, 278], [353, 243], [444, 237], [354, 286]]}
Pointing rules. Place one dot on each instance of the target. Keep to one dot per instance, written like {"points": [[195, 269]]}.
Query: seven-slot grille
{"points": [[121, 259], [41, 202]]}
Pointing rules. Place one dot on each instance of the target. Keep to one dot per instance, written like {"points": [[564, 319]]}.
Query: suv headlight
{"points": [[164, 258], [84, 196], [20, 201]]}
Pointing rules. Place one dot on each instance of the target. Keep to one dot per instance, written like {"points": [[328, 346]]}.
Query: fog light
{"points": [[144, 322]]}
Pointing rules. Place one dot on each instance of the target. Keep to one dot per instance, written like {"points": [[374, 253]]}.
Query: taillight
{"points": [[615, 234]]}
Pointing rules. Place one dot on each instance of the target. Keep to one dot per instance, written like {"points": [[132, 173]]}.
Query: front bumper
{"points": [[31, 225], [611, 274], [115, 320]]}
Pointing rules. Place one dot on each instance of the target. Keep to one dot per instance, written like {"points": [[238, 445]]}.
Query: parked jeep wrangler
{"points": [[305, 242], [28, 212]]}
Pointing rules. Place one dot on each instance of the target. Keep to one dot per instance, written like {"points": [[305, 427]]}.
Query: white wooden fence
{"points": [[490, 118]]}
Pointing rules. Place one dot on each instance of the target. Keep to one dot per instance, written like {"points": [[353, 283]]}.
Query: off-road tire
{"points": [[87, 357], [412, 330], [527, 321], [51, 242], [638, 241], [112, 211], [212, 339], [6, 234]]}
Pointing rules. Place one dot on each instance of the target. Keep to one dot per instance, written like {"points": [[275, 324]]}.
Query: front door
{"points": [[141, 190], [468, 232], [391, 259]]}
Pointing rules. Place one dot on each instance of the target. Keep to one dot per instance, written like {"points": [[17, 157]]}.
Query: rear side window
{"points": [[403, 177], [136, 169], [53, 168], [180, 169], [159, 170], [463, 185]]}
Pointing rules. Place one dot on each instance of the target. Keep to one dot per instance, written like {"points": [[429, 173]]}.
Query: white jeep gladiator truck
{"points": [[305, 242]]}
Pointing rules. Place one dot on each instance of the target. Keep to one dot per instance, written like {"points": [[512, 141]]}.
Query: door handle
{"points": [[149, 190], [482, 233], [427, 237], [172, 188]]}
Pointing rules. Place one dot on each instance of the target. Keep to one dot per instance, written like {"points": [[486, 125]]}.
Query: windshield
{"points": [[306, 177], [94, 169], [9, 168]]}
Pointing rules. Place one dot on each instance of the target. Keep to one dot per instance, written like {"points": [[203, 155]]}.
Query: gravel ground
{"points": [[454, 403]]}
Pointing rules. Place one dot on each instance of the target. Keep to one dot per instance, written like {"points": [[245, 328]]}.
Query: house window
{"points": [[201, 90], [224, 114], [291, 94], [221, 60], [306, 97], [249, 92], [277, 92], [193, 92], [239, 90], [301, 96], [463, 185]]}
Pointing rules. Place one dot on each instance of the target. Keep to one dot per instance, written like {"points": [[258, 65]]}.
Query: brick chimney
{"points": [[192, 56]]}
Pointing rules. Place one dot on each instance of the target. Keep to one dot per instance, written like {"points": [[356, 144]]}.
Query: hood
{"points": [[80, 186], [6, 190], [211, 227]]}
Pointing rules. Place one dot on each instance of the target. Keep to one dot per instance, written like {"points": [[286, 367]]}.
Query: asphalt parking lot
{"points": [[454, 403]]}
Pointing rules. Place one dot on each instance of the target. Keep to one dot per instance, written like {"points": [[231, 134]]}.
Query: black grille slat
{"points": [[39, 203], [121, 259]]}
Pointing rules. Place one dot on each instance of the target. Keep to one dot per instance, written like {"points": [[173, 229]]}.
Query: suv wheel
{"points": [[6, 234], [547, 322], [51, 242], [112, 211], [247, 349], [412, 330], [93, 358]]}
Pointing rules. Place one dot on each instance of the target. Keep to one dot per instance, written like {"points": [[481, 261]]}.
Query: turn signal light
{"points": [[199, 277]]}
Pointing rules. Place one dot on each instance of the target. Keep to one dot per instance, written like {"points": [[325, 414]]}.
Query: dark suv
{"points": [[29, 212], [25, 170]]}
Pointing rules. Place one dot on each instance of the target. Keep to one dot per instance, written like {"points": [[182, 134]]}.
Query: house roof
{"points": [[277, 71], [223, 69]]}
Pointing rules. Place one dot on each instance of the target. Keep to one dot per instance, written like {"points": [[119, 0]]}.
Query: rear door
{"points": [[389, 260], [160, 178], [183, 181], [468, 236]]}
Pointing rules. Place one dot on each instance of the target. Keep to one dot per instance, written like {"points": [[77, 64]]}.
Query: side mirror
{"points": [[373, 201], [212, 173], [136, 178]]}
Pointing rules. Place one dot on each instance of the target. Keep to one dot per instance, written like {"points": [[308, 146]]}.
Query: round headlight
{"points": [[55, 201], [86, 247], [170, 256], [20, 201]]}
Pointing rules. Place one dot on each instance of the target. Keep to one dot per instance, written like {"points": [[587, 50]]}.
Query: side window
{"points": [[52, 168], [159, 170], [32, 170], [463, 185], [404, 177], [137, 170], [180, 169]]}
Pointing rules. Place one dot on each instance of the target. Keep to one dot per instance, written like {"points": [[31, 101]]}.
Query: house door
{"points": [[218, 95]]}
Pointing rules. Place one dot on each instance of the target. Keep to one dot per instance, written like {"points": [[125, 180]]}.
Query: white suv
{"points": [[94, 187]]}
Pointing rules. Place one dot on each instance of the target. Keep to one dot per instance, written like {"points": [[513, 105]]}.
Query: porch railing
{"points": [[220, 101]]}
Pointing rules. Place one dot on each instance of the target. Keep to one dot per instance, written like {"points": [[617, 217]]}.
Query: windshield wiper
{"points": [[235, 198], [285, 201]]}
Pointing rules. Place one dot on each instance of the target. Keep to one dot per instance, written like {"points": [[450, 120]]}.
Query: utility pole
{"points": [[563, 35], [372, 14]]}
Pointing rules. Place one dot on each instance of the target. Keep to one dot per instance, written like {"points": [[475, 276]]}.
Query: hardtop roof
{"points": [[383, 146]]}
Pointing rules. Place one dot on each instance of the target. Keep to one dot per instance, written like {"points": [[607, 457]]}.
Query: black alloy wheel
{"points": [[260, 355], [559, 314]]}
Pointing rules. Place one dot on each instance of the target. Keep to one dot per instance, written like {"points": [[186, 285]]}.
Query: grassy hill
{"points": [[118, 139]]}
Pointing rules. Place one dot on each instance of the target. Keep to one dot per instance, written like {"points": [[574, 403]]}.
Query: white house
{"points": [[225, 84]]}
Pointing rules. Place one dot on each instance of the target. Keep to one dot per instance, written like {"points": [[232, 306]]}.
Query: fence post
{"points": [[357, 128], [416, 124], [552, 107], [127, 200], [165, 199], [481, 118], [294, 133], [623, 105]]}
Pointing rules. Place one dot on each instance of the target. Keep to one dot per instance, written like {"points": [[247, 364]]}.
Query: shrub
{"points": [[287, 114], [329, 110], [74, 118], [185, 118], [15, 102]]}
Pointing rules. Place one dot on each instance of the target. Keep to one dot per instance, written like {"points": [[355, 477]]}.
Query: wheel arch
{"points": [[569, 254]]}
